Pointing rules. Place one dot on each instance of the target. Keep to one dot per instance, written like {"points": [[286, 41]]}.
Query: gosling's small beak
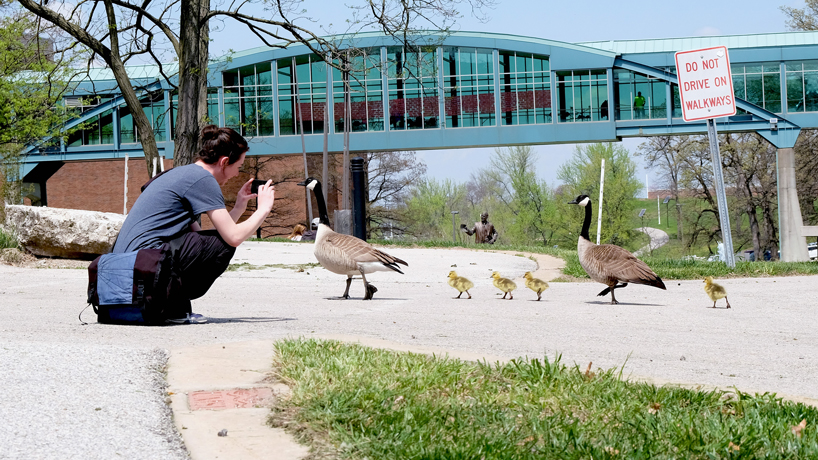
{"points": [[303, 183]]}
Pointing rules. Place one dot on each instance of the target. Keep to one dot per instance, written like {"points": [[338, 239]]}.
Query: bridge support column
{"points": [[793, 243]]}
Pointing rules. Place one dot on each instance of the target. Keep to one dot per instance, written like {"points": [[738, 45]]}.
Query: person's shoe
{"points": [[191, 318]]}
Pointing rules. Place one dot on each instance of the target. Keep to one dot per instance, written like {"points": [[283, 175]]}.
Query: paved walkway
{"points": [[658, 238], [766, 342]]}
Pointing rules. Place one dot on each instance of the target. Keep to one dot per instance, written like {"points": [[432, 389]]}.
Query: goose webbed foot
{"points": [[609, 288], [370, 291]]}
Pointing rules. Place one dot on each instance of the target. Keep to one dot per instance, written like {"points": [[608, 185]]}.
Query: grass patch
{"points": [[8, 240], [355, 402]]}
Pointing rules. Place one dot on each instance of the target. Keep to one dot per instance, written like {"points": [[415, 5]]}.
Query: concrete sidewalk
{"points": [[766, 342]]}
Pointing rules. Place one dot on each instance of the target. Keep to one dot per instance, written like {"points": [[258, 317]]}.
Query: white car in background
{"points": [[813, 251]]}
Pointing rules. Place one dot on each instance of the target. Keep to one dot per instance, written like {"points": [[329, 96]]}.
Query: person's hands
{"points": [[244, 194], [266, 195]]}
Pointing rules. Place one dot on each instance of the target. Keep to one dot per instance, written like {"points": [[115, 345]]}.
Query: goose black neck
{"points": [[587, 224], [323, 217]]}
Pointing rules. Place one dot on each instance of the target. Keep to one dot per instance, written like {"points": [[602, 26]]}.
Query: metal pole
{"points": [[359, 200], [599, 214], [454, 227], [304, 152], [325, 166], [721, 197], [658, 209], [347, 127], [125, 204]]}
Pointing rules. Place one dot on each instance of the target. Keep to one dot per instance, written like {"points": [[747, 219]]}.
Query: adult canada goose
{"points": [[608, 263], [346, 254]]}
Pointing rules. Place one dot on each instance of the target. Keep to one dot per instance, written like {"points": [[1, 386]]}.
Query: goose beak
{"points": [[570, 202], [303, 183]]}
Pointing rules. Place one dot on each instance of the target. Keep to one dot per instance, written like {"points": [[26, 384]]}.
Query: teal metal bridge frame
{"points": [[651, 58]]}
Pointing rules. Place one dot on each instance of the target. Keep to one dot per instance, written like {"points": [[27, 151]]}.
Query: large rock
{"points": [[69, 233]]}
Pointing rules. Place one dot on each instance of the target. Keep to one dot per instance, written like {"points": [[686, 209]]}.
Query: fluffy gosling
{"points": [[535, 284], [504, 284], [715, 291], [460, 283]]}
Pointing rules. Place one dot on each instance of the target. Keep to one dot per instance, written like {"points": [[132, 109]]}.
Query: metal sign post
{"points": [[721, 197], [706, 93]]}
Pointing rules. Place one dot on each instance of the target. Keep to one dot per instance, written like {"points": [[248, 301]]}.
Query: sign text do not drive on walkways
{"points": [[705, 83]]}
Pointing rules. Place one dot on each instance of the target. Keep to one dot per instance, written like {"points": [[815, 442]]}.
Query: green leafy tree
{"points": [[580, 175], [527, 203], [32, 81], [427, 209]]}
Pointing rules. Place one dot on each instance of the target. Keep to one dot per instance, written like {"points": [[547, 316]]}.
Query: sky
{"points": [[566, 21]]}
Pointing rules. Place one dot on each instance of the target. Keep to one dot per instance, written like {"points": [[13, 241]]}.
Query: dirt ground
{"points": [[17, 258]]}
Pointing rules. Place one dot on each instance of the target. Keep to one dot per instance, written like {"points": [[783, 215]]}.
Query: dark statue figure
{"points": [[483, 231]]}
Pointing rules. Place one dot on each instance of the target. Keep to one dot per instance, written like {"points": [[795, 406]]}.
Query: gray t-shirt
{"points": [[168, 206]]}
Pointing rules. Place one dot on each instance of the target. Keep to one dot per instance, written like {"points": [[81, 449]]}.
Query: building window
{"points": [[525, 88], [582, 95], [639, 96], [98, 130], [413, 88], [468, 87], [363, 76], [802, 86], [248, 100], [302, 94], [758, 84]]}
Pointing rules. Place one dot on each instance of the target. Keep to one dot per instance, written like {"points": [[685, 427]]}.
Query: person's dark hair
{"points": [[221, 142]]}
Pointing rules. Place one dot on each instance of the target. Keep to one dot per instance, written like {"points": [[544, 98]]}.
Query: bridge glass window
{"points": [[97, 130], [413, 88], [802, 86], [468, 87], [638, 96], [212, 110], [364, 78], [302, 94], [525, 88], [758, 84], [582, 95], [248, 100]]}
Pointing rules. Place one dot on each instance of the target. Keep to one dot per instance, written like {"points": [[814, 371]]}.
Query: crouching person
{"points": [[165, 216]]}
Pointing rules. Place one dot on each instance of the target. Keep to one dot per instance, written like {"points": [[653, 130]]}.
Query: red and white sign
{"points": [[705, 83]]}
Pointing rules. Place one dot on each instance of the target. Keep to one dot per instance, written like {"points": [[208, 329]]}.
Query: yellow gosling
{"points": [[535, 284], [715, 291], [460, 283], [504, 284]]}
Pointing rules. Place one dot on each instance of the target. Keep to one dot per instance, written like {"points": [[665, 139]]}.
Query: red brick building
{"points": [[99, 186]]}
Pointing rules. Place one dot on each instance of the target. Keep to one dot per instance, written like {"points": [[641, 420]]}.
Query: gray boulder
{"points": [[68, 233]]}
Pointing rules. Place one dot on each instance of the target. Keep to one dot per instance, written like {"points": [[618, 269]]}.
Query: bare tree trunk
{"points": [[194, 45], [772, 235], [111, 57]]}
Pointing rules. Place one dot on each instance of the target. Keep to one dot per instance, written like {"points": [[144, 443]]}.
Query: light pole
{"points": [[454, 228], [667, 213]]}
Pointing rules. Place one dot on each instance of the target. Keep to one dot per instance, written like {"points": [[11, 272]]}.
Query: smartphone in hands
{"points": [[255, 184]]}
